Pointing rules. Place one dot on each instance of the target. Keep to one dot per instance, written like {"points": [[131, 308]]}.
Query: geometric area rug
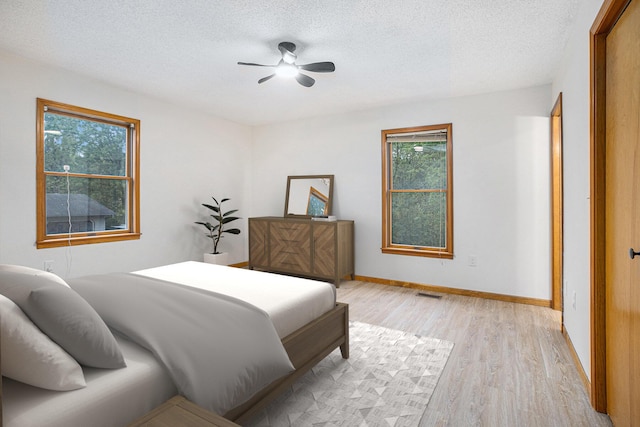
{"points": [[387, 381]]}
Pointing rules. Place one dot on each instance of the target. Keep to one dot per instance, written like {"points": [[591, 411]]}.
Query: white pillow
{"points": [[62, 315], [17, 281], [29, 356]]}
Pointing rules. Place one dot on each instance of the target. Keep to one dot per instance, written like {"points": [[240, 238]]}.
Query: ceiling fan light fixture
{"points": [[287, 67], [289, 57], [287, 70]]}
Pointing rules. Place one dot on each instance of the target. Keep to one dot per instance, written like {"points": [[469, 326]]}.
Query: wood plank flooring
{"points": [[510, 365]]}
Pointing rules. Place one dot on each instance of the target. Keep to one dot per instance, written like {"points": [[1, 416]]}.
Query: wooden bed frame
{"points": [[305, 347]]}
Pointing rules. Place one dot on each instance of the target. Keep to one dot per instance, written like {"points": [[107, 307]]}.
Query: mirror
{"points": [[308, 195]]}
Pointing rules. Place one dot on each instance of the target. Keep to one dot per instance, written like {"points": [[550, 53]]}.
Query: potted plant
{"points": [[216, 228]]}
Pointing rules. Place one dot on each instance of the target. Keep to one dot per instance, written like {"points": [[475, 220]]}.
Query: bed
{"points": [[307, 325]]}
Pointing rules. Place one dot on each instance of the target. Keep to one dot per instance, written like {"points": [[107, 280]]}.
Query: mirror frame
{"points": [[329, 203]]}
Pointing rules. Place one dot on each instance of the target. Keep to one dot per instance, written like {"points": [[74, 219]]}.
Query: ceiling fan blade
{"points": [[304, 80], [319, 67], [264, 79], [255, 65]]}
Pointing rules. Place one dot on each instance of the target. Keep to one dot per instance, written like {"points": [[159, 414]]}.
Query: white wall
{"points": [[186, 157], [501, 181], [573, 81], [501, 185]]}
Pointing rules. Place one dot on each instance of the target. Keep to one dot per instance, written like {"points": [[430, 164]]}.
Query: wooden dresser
{"points": [[317, 249]]}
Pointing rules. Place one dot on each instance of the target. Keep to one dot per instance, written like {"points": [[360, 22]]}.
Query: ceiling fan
{"points": [[287, 66]]}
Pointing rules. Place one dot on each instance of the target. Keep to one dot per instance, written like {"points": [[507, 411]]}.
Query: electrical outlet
{"points": [[473, 260], [48, 266], [573, 301]]}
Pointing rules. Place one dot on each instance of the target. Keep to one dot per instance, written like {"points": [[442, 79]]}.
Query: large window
{"points": [[87, 171], [417, 191]]}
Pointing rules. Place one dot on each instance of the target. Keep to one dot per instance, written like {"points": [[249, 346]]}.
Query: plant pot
{"points": [[221, 258]]}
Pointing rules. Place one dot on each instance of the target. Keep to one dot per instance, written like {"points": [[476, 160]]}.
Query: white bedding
{"points": [[113, 397], [291, 302], [117, 397], [219, 350]]}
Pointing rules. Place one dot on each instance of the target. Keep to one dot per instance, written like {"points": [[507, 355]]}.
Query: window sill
{"points": [[418, 252], [57, 242]]}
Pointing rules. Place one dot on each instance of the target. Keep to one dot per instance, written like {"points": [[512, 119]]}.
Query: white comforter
{"points": [[291, 302], [219, 350]]}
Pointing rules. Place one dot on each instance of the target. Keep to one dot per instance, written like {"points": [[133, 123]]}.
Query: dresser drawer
{"points": [[258, 243], [318, 249], [290, 246]]}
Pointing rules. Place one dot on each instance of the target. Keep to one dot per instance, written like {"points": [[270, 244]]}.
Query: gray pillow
{"points": [[74, 325]]}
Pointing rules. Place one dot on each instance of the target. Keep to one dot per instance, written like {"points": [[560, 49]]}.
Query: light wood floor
{"points": [[510, 365]]}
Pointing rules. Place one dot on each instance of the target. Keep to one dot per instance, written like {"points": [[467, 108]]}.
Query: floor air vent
{"points": [[423, 294]]}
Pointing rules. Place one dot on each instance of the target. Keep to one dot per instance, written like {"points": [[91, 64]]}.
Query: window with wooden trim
{"points": [[87, 176], [417, 191]]}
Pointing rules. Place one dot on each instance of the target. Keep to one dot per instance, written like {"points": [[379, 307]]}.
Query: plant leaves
{"points": [[220, 219], [213, 208], [229, 219], [207, 225]]}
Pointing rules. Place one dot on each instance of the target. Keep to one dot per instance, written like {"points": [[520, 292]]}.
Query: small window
{"points": [[417, 191], [87, 169]]}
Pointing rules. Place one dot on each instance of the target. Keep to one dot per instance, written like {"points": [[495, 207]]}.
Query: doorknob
{"points": [[633, 253]]}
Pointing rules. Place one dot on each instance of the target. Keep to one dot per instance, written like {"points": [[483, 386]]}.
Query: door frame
{"points": [[557, 220], [606, 19]]}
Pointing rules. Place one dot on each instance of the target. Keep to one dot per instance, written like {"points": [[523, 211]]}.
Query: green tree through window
{"points": [[97, 197], [417, 191]]}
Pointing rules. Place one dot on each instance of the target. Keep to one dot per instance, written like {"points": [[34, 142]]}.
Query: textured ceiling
{"points": [[386, 52]]}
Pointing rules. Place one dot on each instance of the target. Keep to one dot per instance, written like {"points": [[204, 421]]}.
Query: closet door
{"points": [[623, 218]]}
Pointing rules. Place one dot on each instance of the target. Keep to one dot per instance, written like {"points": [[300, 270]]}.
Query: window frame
{"points": [[132, 178], [388, 246]]}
